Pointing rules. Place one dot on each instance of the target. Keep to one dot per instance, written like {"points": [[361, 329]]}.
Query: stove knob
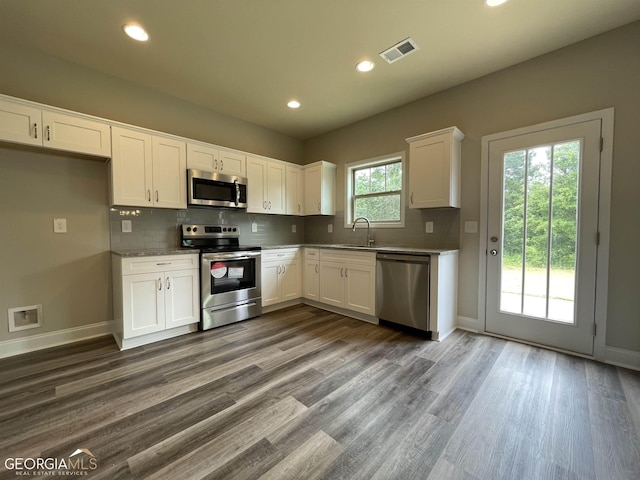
{"points": [[188, 229], [224, 229], [235, 229], [195, 229]]}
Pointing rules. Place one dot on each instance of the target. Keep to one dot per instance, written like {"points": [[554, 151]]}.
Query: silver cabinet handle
{"points": [[35, 130], [298, 207], [149, 195], [269, 204], [316, 268], [216, 164], [341, 272], [160, 284], [237, 192], [221, 165], [265, 204], [48, 133], [163, 263], [346, 273], [157, 196], [411, 197], [284, 269], [279, 267], [168, 280], [318, 206]]}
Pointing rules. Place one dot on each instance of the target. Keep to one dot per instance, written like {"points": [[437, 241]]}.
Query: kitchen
{"points": [[71, 273]]}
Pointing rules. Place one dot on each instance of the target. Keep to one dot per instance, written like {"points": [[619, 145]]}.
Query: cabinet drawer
{"points": [[163, 263], [280, 254], [312, 254], [348, 256]]}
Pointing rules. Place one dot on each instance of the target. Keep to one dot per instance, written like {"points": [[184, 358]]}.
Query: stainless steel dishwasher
{"points": [[402, 289]]}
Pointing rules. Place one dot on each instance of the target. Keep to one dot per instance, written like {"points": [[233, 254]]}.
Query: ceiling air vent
{"points": [[399, 50]]}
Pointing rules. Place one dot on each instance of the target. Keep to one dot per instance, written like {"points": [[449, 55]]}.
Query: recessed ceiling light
{"points": [[494, 3], [365, 66], [136, 32], [293, 104]]}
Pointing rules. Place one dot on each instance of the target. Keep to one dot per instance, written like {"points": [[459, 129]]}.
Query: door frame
{"points": [[606, 116]]}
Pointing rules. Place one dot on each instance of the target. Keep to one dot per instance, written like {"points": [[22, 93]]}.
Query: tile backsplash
{"points": [[160, 228]]}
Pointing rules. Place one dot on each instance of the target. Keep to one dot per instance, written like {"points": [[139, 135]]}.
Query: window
{"points": [[374, 190]]}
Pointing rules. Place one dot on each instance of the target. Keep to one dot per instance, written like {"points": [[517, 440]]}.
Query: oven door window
{"points": [[230, 274]]}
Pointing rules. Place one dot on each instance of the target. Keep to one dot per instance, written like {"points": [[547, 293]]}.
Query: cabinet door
{"points": [[20, 123], [181, 295], [313, 190], [332, 283], [294, 190], [361, 288], [291, 281], [311, 280], [169, 173], [270, 283], [201, 157], [257, 185], [232, 163], [131, 168], [74, 134], [143, 304], [276, 195]]}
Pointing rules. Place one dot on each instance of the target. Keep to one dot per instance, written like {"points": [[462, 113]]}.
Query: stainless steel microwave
{"points": [[214, 189]]}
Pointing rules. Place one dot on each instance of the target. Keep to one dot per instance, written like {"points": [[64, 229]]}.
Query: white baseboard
{"points": [[622, 358], [280, 306], [9, 348], [125, 344], [467, 323]]}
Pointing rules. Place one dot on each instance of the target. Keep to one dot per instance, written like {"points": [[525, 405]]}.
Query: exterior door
{"points": [[542, 225]]}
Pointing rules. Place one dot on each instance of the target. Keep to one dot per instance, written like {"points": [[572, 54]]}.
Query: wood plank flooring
{"points": [[305, 394]]}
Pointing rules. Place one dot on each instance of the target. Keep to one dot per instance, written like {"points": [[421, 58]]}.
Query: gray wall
{"points": [[68, 274], [597, 73]]}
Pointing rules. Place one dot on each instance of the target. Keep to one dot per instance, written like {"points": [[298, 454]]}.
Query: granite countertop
{"points": [[390, 249], [152, 252]]}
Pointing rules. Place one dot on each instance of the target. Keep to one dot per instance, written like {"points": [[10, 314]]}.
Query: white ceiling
{"points": [[247, 58]]}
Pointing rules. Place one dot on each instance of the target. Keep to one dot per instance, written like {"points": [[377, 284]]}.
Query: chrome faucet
{"points": [[370, 240]]}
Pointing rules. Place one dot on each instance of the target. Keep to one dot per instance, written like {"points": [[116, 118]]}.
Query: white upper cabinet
{"points": [[434, 169], [30, 125], [213, 159], [319, 188], [294, 190], [147, 170], [266, 185]]}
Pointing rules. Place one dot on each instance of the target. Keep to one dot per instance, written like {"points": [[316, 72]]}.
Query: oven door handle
{"points": [[230, 256]]}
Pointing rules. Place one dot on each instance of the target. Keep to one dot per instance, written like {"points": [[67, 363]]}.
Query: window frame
{"points": [[350, 190]]}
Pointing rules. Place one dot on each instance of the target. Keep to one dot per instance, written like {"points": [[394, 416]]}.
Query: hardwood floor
{"points": [[304, 394]]}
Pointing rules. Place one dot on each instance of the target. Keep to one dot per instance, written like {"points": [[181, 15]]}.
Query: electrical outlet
{"points": [[254, 227], [428, 227], [126, 226], [59, 225], [330, 228], [293, 229]]}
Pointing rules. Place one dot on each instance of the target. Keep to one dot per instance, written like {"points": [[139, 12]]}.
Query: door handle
{"points": [[493, 252]]}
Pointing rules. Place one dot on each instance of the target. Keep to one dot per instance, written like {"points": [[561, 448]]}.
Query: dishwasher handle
{"points": [[393, 257]]}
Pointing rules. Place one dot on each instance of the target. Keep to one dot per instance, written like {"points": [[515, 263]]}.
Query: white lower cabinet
{"points": [[281, 276], [155, 297], [348, 280], [311, 274]]}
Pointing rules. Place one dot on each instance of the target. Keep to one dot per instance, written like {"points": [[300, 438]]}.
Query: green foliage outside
{"points": [[377, 192], [562, 199]]}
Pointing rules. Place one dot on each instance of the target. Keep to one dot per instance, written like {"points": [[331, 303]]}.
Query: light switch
{"points": [[428, 227], [126, 226], [59, 225], [471, 227]]}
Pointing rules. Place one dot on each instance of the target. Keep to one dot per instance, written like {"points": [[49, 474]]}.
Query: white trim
{"points": [[467, 323], [9, 348], [622, 358], [125, 344], [606, 116], [348, 189]]}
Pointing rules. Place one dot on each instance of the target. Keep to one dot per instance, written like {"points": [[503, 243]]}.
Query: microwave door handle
{"points": [[237, 192]]}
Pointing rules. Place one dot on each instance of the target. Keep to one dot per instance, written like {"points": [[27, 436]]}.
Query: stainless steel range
{"points": [[230, 289]]}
